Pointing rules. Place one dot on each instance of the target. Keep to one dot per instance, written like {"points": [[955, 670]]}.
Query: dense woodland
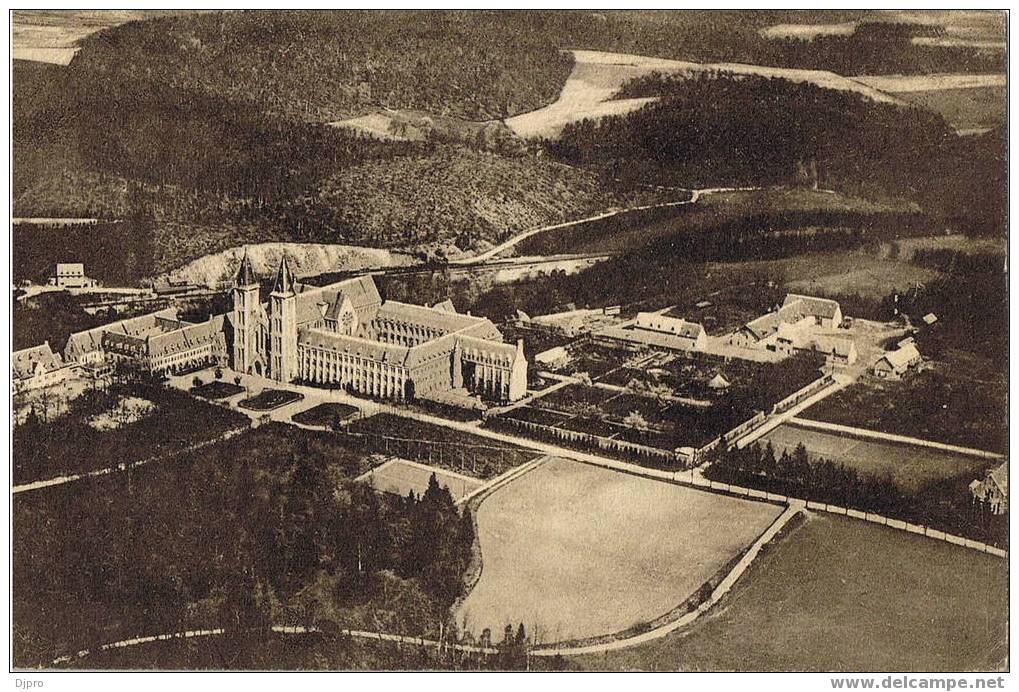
{"points": [[250, 532], [158, 124], [478, 65], [722, 130]]}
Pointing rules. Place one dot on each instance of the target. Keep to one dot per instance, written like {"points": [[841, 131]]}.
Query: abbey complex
{"points": [[345, 334], [340, 335]]}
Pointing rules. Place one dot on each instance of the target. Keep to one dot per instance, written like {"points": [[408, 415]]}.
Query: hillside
{"points": [[325, 66], [192, 174], [322, 66], [201, 133], [724, 129], [485, 197]]}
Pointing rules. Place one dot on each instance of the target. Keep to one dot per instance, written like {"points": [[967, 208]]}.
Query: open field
{"points": [[598, 75], [401, 477], [838, 594], [950, 402], [834, 273], [956, 242], [577, 551], [967, 110], [911, 468], [900, 84], [775, 209]]}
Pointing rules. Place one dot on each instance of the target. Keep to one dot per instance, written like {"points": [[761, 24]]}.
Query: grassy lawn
{"points": [[839, 594], [269, 399], [964, 109], [463, 452], [400, 477], [326, 415], [578, 551], [909, 467], [958, 401], [217, 389]]}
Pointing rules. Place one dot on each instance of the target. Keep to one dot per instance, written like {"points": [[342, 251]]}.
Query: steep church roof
{"points": [[284, 278], [245, 274]]}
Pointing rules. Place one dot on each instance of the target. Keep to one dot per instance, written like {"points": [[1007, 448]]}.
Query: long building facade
{"points": [[345, 335]]}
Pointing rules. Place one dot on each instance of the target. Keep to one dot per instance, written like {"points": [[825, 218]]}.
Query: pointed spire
{"points": [[245, 275], [284, 279]]}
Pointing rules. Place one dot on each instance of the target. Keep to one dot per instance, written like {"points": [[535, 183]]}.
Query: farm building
{"points": [[826, 313], [37, 367], [896, 363], [836, 351], [779, 330], [71, 275], [690, 335], [993, 489]]}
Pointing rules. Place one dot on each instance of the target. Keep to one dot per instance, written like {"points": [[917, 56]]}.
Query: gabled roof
{"points": [[718, 382], [763, 326], [439, 320], [816, 307], [24, 362], [671, 325], [999, 476], [840, 347], [445, 306], [900, 358], [353, 346], [92, 339], [187, 337]]}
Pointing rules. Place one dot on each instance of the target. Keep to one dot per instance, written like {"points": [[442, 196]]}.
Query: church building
{"points": [[345, 335]]}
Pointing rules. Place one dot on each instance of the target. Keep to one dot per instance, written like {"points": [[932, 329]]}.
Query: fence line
{"points": [[690, 478], [278, 629]]}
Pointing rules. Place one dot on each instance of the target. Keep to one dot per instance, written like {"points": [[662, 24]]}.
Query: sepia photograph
{"points": [[509, 340]]}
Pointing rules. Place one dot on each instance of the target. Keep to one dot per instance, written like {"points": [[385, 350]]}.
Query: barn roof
{"points": [[815, 307], [24, 362]]}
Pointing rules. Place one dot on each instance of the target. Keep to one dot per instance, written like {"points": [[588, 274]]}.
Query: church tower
{"points": [[245, 316], [283, 326]]}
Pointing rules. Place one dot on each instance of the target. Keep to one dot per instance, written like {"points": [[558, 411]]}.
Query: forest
{"points": [[475, 65], [717, 129], [250, 532]]}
